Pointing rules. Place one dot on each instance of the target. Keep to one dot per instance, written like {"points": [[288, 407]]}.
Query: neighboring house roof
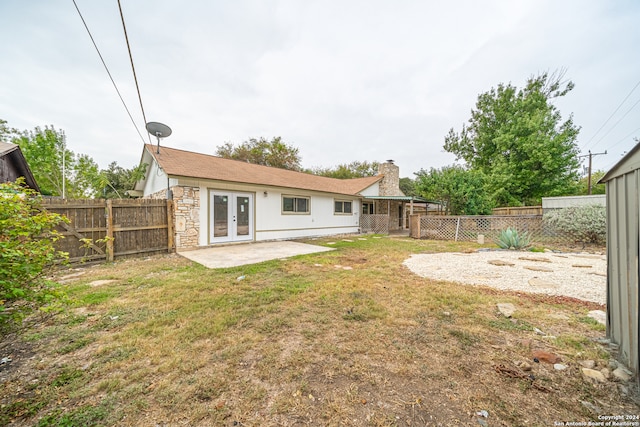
{"points": [[16, 165], [188, 164]]}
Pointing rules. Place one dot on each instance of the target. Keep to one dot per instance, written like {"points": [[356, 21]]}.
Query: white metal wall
{"points": [[623, 239]]}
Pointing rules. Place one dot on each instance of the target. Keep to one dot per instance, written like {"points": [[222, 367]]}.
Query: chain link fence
{"points": [[468, 228]]}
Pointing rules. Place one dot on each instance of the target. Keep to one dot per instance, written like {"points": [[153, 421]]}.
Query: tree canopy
{"points": [[354, 169], [461, 190], [49, 159], [275, 153], [518, 140]]}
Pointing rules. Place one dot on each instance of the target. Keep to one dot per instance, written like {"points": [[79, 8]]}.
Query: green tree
{"points": [[461, 190], [27, 235], [115, 181], [408, 187], [518, 140], [354, 169], [261, 151], [47, 155], [582, 186]]}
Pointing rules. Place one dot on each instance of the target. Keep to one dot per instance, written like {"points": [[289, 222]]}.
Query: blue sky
{"points": [[342, 81]]}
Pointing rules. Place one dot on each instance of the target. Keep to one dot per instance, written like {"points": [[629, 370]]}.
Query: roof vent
{"points": [[390, 161]]}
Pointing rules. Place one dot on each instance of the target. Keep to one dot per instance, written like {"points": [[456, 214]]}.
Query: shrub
{"points": [[27, 236], [586, 224], [510, 238]]}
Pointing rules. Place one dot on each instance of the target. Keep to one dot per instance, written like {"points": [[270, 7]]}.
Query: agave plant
{"points": [[510, 238]]}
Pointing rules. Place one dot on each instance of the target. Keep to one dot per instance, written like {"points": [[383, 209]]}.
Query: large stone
{"points": [[593, 375], [598, 315], [622, 374], [506, 309]]}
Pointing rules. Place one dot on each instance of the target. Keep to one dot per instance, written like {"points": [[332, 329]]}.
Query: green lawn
{"points": [[297, 342]]}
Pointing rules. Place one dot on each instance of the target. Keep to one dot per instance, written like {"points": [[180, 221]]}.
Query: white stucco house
{"points": [[218, 200]]}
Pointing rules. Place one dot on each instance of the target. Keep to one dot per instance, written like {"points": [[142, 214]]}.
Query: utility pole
{"points": [[591, 155]]}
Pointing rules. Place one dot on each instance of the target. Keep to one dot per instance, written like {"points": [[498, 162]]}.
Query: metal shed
{"points": [[623, 240]]}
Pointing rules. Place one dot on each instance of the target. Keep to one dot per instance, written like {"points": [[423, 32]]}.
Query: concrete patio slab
{"points": [[249, 253]]}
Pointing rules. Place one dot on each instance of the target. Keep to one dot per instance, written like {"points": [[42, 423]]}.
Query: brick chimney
{"points": [[390, 184]]}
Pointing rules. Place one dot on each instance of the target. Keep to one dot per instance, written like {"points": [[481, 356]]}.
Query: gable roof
{"points": [[202, 166], [18, 165]]}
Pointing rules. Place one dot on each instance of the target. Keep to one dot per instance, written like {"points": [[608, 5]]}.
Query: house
{"points": [[218, 200], [13, 165], [623, 236]]}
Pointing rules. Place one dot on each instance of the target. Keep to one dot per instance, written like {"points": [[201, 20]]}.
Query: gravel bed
{"points": [[577, 275]]}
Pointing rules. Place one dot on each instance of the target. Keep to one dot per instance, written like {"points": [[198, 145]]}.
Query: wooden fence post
{"points": [[110, 245], [170, 227]]}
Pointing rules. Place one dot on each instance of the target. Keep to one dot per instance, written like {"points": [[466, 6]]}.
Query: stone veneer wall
{"points": [[390, 184], [186, 205]]}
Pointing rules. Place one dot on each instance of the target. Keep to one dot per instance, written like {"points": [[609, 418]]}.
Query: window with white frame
{"points": [[295, 205], [343, 207]]}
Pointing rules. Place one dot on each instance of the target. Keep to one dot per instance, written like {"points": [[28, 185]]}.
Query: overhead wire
{"points": [[611, 116], [619, 120], [108, 72], [133, 68]]}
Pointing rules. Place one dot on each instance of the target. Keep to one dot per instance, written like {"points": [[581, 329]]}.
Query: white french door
{"points": [[231, 216]]}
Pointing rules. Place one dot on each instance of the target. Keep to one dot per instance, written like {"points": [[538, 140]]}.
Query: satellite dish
{"points": [[159, 130]]}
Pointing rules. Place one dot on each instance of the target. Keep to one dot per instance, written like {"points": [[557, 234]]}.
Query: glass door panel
{"points": [[220, 216], [242, 216]]}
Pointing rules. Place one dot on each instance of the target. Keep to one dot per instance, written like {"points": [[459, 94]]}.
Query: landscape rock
{"points": [[593, 375], [622, 374], [599, 315], [538, 331], [534, 259], [589, 364], [559, 367], [500, 262], [545, 356], [606, 372], [506, 309], [536, 268]]}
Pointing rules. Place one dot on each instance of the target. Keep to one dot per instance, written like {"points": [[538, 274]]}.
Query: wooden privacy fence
{"points": [[518, 210], [103, 230], [467, 228]]}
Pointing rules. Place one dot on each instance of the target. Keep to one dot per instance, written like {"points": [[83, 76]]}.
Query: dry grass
{"points": [[298, 342]]}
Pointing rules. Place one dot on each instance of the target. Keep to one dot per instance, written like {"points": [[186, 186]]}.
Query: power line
{"points": [[611, 116], [619, 120], [624, 138], [108, 72], [133, 68]]}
